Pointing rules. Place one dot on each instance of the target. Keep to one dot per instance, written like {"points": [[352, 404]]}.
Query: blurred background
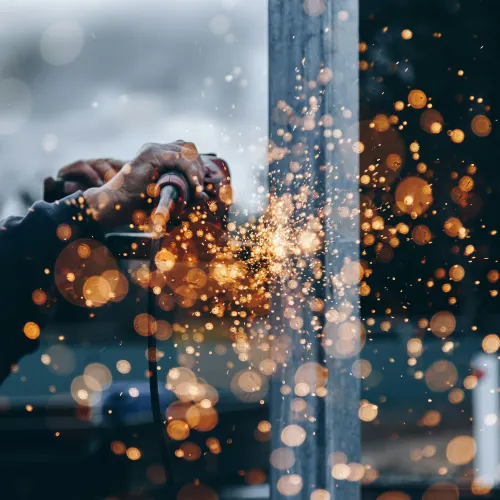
{"points": [[99, 78]]}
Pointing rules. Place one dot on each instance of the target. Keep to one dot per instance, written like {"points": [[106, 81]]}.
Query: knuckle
{"points": [[102, 163], [149, 148], [72, 167], [169, 157], [78, 165]]}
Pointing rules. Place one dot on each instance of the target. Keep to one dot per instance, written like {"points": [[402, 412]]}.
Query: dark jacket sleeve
{"points": [[29, 247]]}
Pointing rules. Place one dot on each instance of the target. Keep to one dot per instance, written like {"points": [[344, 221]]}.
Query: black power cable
{"points": [[158, 420], [169, 196]]}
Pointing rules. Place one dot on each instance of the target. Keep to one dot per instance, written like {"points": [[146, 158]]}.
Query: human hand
{"points": [[114, 202], [83, 174]]}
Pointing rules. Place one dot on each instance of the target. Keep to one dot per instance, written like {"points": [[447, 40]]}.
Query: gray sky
{"points": [[94, 78]]}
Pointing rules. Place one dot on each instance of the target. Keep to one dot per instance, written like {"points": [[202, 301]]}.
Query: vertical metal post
{"points": [[314, 167]]}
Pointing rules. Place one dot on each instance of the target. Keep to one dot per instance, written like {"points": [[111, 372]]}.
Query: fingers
{"points": [[116, 164], [104, 168], [81, 171], [186, 163], [179, 155], [204, 197], [89, 173], [191, 165]]}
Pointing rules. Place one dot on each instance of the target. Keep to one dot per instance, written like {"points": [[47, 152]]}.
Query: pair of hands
{"points": [[117, 189]]}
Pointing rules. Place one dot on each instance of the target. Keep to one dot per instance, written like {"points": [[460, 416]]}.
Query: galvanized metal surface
{"points": [[307, 41]]}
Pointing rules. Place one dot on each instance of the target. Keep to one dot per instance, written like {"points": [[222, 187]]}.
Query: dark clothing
{"points": [[29, 247]]}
